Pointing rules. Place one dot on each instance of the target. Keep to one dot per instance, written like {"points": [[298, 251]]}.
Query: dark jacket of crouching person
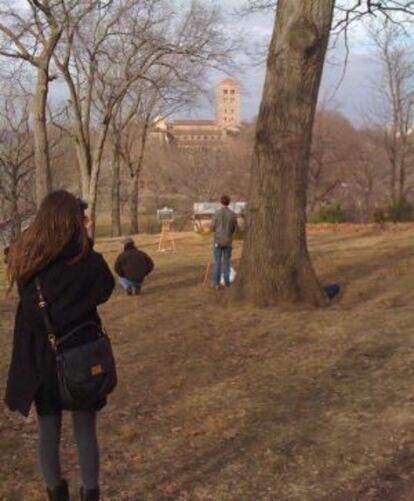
{"points": [[132, 266]]}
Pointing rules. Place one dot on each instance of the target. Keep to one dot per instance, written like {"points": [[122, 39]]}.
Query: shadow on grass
{"points": [[349, 386], [361, 269]]}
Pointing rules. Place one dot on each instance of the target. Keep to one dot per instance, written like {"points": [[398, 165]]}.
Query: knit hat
{"points": [[128, 241]]}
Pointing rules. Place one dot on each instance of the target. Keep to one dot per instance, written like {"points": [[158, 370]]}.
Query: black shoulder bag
{"points": [[85, 363]]}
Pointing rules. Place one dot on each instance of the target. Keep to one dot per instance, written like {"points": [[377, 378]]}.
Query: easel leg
{"points": [[207, 273]]}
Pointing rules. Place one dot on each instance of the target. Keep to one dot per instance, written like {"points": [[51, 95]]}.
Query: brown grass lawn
{"points": [[237, 403]]}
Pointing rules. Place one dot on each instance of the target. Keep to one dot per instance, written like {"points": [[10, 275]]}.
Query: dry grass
{"points": [[221, 403]]}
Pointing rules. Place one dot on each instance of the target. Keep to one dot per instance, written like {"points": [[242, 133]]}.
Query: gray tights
{"points": [[84, 426]]}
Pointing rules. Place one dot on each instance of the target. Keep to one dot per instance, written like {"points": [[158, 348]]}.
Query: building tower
{"points": [[228, 103]]}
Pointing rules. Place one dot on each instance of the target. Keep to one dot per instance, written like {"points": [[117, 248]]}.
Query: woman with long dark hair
{"points": [[56, 251]]}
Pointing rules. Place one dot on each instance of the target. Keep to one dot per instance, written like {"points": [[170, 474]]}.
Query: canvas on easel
{"points": [[166, 242]]}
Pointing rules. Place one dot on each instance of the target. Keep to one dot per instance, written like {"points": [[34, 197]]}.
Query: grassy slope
{"points": [[219, 403]]}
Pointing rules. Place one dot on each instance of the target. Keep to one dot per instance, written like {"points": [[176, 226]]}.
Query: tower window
{"points": [[226, 91], [232, 91]]}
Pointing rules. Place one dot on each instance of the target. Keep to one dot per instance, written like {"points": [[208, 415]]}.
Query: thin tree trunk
{"points": [[96, 170], [393, 181], [41, 146], [134, 187], [15, 214], [133, 205], [402, 176], [85, 167], [275, 264], [116, 184]]}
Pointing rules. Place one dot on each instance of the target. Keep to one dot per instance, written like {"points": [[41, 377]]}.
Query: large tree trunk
{"points": [[116, 184], [275, 264], [41, 146]]}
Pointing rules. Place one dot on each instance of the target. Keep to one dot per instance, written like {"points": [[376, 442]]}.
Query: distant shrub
{"points": [[329, 213], [380, 216], [400, 211]]}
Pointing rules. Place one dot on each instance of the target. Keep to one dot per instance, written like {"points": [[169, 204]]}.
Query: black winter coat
{"points": [[72, 292], [134, 264]]}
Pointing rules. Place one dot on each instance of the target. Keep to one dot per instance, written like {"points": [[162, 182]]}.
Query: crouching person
{"points": [[132, 266]]}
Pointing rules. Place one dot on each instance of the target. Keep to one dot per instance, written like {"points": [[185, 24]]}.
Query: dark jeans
{"points": [[221, 254]]}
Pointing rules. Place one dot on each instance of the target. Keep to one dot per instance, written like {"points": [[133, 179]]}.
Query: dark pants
{"points": [[221, 254], [84, 426]]}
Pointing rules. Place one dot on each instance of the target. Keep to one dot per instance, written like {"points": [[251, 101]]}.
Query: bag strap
{"points": [[63, 339], [46, 319]]}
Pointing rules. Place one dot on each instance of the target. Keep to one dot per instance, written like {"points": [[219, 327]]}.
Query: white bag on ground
{"points": [[232, 276]]}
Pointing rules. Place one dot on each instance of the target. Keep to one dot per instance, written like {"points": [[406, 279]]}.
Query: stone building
{"points": [[228, 104], [205, 134]]}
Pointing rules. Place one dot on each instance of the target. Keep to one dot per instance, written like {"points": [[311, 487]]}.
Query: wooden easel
{"points": [[207, 273], [166, 242]]}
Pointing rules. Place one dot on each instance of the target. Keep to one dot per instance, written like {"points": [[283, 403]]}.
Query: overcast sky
{"points": [[352, 96]]}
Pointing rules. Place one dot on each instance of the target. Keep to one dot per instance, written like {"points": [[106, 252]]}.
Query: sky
{"points": [[349, 92]]}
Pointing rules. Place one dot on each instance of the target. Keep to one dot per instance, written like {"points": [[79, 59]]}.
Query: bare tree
{"points": [[366, 175], [30, 33], [275, 264], [393, 105], [347, 11], [16, 160], [129, 129], [332, 154], [171, 89], [117, 46]]}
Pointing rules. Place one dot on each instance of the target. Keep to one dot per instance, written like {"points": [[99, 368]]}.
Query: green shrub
{"points": [[380, 216], [400, 211], [329, 213]]}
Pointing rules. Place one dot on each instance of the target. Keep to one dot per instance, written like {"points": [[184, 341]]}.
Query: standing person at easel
{"points": [[224, 225]]}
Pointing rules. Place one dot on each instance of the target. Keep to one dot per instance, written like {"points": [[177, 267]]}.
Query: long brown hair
{"points": [[58, 221]]}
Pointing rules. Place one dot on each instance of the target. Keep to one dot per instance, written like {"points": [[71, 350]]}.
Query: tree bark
{"points": [[116, 183], [41, 145], [275, 265]]}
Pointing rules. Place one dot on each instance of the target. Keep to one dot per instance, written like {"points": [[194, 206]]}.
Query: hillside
{"points": [[237, 403]]}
